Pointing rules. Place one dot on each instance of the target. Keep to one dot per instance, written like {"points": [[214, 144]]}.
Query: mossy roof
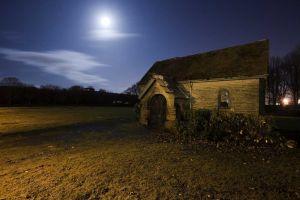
{"points": [[243, 60]]}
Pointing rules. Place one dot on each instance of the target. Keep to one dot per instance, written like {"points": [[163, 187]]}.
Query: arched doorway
{"points": [[158, 107]]}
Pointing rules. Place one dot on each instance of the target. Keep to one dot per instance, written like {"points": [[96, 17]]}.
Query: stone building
{"points": [[230, 79]]}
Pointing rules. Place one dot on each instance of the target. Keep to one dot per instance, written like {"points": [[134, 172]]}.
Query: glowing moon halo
{"points": [[105, 22]]}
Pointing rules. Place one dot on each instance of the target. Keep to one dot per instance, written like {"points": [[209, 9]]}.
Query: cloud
{"points": [[69, 64], [110, 34]]}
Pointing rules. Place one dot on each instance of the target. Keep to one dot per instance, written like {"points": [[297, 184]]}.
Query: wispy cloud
{"points": [[72, 65], [110, 34]]}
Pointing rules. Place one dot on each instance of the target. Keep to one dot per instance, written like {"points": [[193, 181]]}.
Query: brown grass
{"points": [[22, 119], [119, 159]]}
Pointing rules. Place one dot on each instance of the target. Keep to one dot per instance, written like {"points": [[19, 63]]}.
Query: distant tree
{"points": [[29, 93], [11, 81], [90, 89], [50, 87], [13, 93], [102, 91], [76, 88], [277, 81], [293, 70], [133, 90]]}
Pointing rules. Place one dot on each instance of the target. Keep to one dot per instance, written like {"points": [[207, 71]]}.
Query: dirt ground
{"points": [[116, 158]]}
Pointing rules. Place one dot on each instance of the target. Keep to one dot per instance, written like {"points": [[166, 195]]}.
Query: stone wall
{"points": [[246, 96], [170, 111]]}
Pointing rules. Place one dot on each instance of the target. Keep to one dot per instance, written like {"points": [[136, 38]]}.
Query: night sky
{"points": [[111, 44]]}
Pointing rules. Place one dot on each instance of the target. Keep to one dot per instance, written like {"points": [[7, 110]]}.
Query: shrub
{"points": [[194, 128], [219, 126], [229, 126], [185, 131], [201, 120]]}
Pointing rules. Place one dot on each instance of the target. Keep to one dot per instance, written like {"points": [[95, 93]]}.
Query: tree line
{"points": [[284, 78], [15, 93]]}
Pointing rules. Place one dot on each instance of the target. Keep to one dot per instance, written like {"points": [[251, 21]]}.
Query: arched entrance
{"points": [[158, 107]]}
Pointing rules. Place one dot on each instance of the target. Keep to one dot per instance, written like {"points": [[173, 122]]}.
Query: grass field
{"points": [[20, 119], [50, 153]]}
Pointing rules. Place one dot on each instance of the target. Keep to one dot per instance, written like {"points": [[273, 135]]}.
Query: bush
{"points": [[194, 128], [219, 126], [228, 126], [201, 120]]}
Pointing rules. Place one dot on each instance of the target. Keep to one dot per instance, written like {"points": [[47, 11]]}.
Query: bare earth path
{"points": [[115, 158]]}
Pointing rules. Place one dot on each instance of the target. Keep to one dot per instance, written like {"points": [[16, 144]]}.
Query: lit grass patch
{"points": [[22, 119]]}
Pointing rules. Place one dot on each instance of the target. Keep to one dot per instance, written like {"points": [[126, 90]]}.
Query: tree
{"points": [[101, 91], [50, 87], [11, 81], [54, 95], [76, 88], [90, 89], [293, 67], [277, 87], [133, 90]]}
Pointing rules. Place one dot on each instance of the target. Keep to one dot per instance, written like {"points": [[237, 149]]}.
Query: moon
{"points": [[105, 22]]}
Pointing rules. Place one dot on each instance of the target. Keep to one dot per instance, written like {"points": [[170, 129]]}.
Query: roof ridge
{"points": [[212, 51], [239, 60]]}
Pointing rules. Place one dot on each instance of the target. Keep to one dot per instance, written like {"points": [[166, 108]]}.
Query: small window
{"points": [[224, 99]]}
